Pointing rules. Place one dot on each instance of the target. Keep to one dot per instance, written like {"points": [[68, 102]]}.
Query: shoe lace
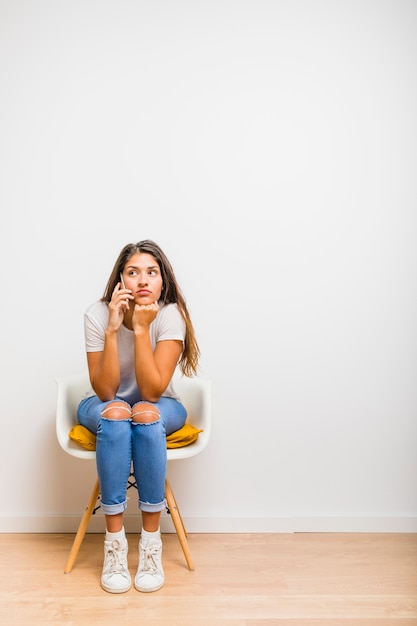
{"points": [[150, 554], [115, 557]]}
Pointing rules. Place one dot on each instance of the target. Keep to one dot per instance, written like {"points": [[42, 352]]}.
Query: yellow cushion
{"points": [[182, 437], [84, 437]]}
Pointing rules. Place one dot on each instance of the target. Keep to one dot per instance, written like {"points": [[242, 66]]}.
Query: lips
{"points": [[143, 292]]}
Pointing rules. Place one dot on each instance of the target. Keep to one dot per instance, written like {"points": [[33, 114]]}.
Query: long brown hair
{"points": [[171, 292]]}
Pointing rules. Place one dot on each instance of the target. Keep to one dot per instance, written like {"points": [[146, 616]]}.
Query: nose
{"points": [[143, 279]]}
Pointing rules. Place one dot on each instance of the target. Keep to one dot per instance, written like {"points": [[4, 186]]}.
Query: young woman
{"points": [[135, 337]]}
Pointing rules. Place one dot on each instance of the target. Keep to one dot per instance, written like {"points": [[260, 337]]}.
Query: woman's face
{"points": [[142, 275]]}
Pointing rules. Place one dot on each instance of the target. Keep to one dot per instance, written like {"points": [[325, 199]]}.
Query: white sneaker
{"points": [[115, 577], [150, 575]]}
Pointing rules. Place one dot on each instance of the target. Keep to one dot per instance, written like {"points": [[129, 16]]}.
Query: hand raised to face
{"points": [[144, 315]]}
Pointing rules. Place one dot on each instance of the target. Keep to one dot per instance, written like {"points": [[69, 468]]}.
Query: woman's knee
{"points": [[145, 413], [117, 411]]}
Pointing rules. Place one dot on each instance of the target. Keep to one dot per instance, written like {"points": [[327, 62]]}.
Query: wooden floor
{"points": [[239, 580]]}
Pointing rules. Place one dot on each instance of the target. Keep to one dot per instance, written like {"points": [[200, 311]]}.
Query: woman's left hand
{"points": [[144, 315]]}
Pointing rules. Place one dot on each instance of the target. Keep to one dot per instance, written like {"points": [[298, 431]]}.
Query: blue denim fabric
{"points": [[121, 442]]}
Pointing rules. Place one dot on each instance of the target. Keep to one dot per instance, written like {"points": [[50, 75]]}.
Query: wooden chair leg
{"points": [[82, 528], [179, 525], [175, 507]]}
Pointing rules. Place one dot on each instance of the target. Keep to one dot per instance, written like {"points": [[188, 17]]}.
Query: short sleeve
{"points": [[95, 322], [169, 324]]}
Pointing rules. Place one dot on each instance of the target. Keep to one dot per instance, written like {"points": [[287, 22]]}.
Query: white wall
{"points": [[270, 148]]}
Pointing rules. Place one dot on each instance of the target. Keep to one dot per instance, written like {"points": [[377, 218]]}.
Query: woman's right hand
{"points": [[118, 306]]}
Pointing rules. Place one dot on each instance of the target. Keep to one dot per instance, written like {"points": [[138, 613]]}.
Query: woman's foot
{"points": [[115, 577], [150, 575]]}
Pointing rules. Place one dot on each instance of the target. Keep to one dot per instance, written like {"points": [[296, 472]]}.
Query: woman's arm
{"points": [[104, 368], [153, 369]]}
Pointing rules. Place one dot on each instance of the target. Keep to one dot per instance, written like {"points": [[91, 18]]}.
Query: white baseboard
{"points": [[216, 524]]}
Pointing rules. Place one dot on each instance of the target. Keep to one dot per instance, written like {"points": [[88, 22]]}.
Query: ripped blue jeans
{"points": [[123, 442]]}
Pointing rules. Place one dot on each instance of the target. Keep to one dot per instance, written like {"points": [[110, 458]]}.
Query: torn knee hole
{"points": [[116, 412], [144, 415]]}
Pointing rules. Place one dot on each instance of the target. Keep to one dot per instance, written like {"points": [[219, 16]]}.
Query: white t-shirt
{"points": [[168, 324]]}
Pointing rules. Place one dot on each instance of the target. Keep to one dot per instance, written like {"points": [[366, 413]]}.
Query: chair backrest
{"points": [[195, 393], [71, 390]]}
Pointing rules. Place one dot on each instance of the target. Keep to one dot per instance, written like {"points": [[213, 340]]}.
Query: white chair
{"points": [[195, 394]]}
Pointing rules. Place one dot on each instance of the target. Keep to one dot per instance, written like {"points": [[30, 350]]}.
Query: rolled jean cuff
{"points": [[113, 509], [152, 508]]}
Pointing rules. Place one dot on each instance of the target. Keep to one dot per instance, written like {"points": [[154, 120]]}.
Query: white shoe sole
{"points": [[112, 590], [147, 589]]}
